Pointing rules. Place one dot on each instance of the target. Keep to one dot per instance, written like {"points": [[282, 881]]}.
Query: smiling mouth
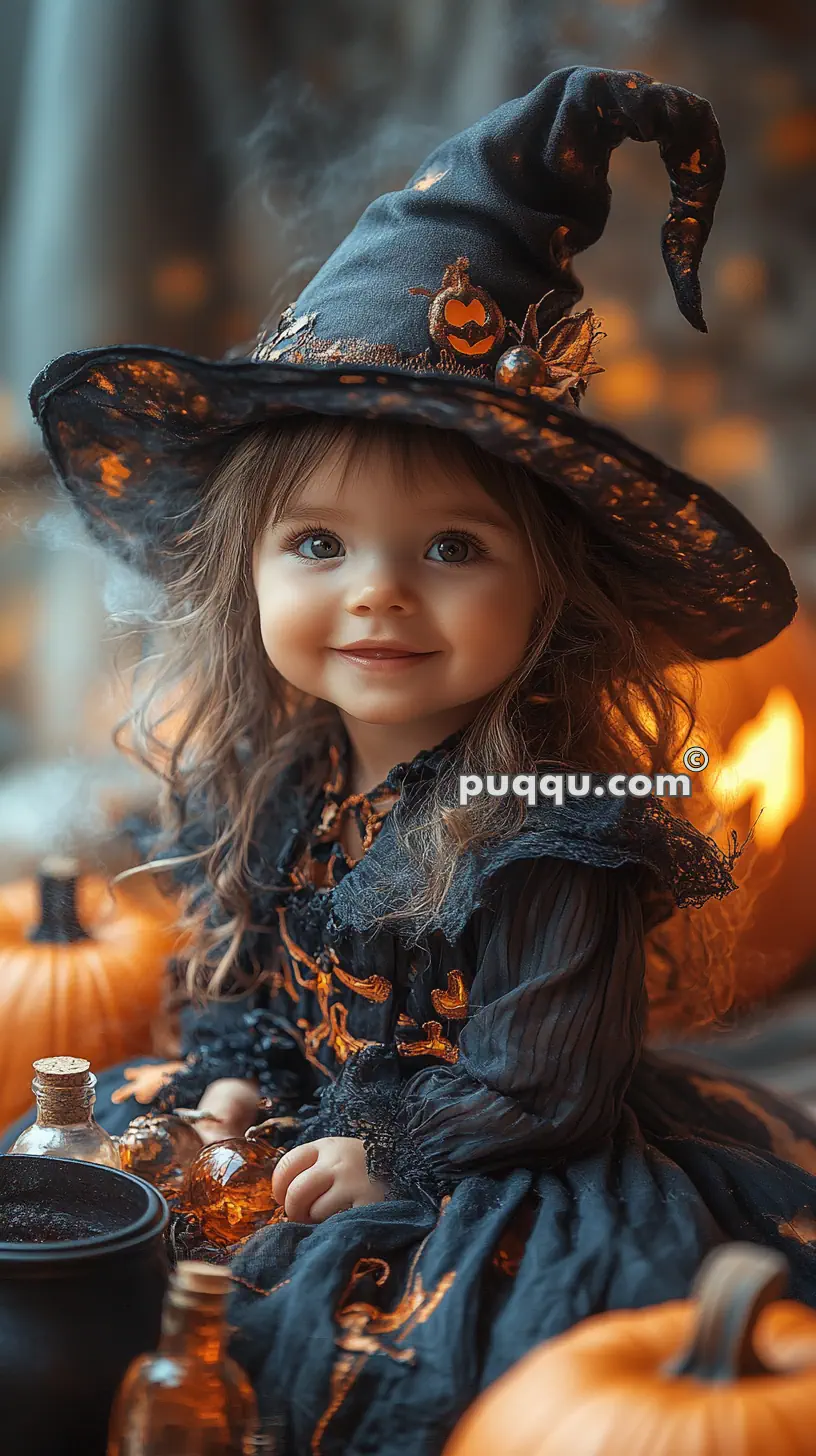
{"points": [[381, 655]]}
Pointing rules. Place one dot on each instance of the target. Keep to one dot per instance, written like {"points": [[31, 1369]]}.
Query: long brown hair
{"points": [[598, 687]]}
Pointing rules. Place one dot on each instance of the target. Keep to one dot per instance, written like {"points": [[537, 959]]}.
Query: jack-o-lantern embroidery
{"points": [[462, 317]]}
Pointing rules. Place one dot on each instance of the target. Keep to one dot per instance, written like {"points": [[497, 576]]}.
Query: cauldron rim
{"points": [[28, 1259]]}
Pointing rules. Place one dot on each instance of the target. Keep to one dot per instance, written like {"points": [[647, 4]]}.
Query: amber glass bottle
{"points": [[188, 1398]]}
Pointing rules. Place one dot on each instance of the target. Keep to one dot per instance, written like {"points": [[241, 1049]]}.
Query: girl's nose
{"points": [[379, 588]]}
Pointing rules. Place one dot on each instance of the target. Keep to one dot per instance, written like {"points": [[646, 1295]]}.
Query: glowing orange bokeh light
{"points": [[765, 763]]}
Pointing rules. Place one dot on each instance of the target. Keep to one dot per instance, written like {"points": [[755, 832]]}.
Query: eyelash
{"points": [[296, 538], [478, 549]]}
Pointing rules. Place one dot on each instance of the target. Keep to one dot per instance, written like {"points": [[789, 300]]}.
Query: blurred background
{"points": [[174, 173]]}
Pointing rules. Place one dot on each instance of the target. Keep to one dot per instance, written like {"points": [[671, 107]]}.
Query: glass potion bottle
{"points": [[188, 1398], [65, 1125]]}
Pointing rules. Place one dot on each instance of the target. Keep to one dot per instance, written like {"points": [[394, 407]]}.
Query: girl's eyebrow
{"points": [[477, 517], [499, 523]]}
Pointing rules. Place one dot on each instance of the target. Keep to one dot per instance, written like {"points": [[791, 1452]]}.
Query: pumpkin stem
{"points": [[733, 1286], [456, 275], [59, 922]]}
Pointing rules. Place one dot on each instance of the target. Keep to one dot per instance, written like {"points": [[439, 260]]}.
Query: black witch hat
{"points": [[449, 304]]}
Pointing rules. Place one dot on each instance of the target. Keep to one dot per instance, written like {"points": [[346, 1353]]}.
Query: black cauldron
{"points": [[83, 1270]]}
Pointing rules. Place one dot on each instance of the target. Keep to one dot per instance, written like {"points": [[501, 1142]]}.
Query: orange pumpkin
{"points": [[81, 971], [717, 1375], [737, 699]]}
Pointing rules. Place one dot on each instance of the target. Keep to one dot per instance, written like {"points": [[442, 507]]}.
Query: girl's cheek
{"points": [[296, 620]]}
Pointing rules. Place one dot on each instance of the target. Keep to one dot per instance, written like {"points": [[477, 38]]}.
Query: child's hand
{"points": [[318, 1179], [234, 1102]]}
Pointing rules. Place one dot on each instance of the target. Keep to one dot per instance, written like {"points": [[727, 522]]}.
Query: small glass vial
{"points": [[65, 1125], [188, 1398]]}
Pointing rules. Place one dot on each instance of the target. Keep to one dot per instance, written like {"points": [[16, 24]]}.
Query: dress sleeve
{"points": [[555, 1027], [239, 1038]]}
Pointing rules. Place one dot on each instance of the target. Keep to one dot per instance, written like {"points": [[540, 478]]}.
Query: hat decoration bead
{"points": [[560, 361]]}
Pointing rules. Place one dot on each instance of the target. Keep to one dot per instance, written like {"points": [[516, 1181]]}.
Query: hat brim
{"points": [[133, 432]]}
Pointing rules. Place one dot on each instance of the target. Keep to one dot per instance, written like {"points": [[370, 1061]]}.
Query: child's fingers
{"points": [[292, 1163], [304, 1191], [332, 1202]]}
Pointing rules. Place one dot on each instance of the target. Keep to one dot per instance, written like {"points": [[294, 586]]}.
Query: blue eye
{"points": [[322, 543]]}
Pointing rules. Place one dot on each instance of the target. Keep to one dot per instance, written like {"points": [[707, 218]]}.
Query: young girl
{"points": [[395, 553]]}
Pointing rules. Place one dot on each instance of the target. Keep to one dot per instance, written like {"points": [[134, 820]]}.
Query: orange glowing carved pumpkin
{"points": [[760, 713], [81, 971], [717, 1375], [464, 318]]}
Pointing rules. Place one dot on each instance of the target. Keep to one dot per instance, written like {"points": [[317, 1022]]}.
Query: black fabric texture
{"points": [[246, 1044]]}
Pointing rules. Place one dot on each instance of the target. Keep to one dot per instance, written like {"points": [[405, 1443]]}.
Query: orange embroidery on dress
{"points": [[311, 871], [331, 1028], [372, 821], [364, 1326], [434, 1045], [333, 815], [510, 1252], [454, 1001], [341, 1041], [783, 1140], [279, 976], [256, 1288], [328, 818], [334, 782], [373, 988], [300, 957], [405, 1020], [143, 1083]]}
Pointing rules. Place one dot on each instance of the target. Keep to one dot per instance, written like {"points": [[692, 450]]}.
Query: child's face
{"points": [[375, 557]]}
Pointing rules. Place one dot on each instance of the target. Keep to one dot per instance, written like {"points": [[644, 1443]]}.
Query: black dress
{"points": [[544, 1166]]}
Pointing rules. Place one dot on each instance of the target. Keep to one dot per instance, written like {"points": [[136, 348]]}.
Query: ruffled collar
{"points": [[421, 768], [686, 866], [315, 859]]}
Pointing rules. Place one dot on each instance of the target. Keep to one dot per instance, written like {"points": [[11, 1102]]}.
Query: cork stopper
{"points": [[200, 1278], [62, 1071], [199, 1286], [64, 1088]]}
